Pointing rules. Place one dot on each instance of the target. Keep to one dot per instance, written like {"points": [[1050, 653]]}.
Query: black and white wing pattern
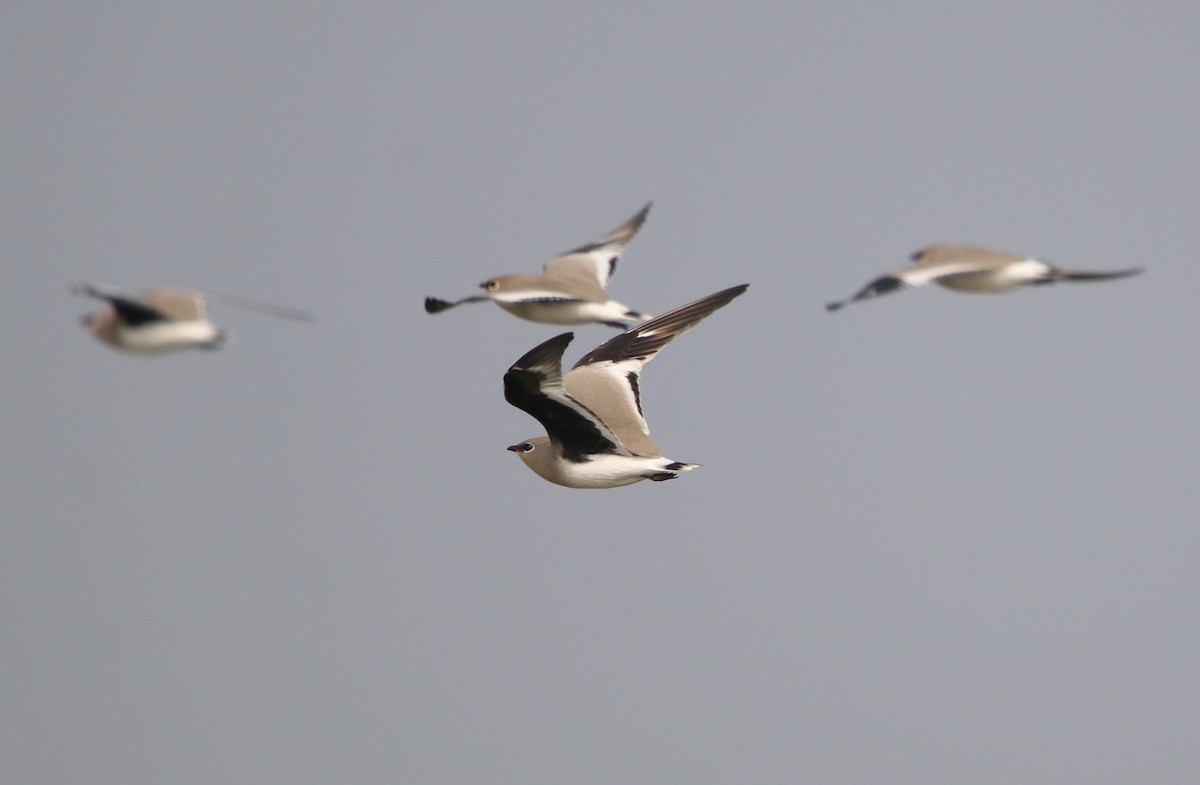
{"points": [[607, 380], [593, 264], [534, 384], [131, 311]]}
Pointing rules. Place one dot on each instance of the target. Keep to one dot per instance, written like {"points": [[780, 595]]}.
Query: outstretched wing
{"points": [[129, 310], [607, 380], [534, 384], [592, 265], [1089, 275]]}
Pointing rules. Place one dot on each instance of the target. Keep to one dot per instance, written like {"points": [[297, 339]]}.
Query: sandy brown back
{"points": [[178, 304], [514, 288], [948, 253]]}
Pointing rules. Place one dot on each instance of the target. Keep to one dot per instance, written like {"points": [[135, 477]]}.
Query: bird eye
{"points": [[491, 286], [526, 447]]}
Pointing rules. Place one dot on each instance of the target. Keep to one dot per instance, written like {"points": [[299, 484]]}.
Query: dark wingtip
{"points": [[544, 351], [88, 290], [434, 305], [831, 307], [1108, 275], [636, 220]]}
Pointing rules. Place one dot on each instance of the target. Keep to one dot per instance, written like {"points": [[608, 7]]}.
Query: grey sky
{"points": [[936, 537]]}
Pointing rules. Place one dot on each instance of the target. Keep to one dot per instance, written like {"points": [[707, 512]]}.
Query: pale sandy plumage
{"points": [[571, 288], [597, 436], [165, 319], [160, 320], [968, 268]]}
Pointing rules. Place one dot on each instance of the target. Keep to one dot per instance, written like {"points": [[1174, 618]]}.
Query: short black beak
{"points": [[513, 448]]}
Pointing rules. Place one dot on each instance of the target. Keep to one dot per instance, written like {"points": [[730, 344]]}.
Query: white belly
{"points": [[607, 471], [1001, 279], [167, 336], [571, 312]]}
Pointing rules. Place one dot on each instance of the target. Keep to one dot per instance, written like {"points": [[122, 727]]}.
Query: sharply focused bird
{"points": [[970, 269], [597, 436], [571, 289], [163, 319]]}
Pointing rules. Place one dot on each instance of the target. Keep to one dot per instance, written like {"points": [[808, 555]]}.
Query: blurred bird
{"points": [[571, 288], [597, 436], [159, 321], [970, 269], [163, 319]]}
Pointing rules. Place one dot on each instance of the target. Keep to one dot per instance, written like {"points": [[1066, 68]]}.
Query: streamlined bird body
{"points": [[597, 436], [571, 288], [968, 268], [160, 320]]}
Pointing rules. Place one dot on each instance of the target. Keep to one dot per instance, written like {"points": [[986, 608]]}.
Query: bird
{"points": [[160, 320], [968, 268], [571, 289], [597, 435], [165, 319]]}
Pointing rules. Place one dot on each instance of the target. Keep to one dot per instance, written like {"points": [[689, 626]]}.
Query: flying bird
{"points": [[164, 319], [970, 269], [571, 289], [160, 320], [597, 436]]}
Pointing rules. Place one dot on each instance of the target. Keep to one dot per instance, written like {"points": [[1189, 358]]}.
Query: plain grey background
{"points": [[936, 538]]}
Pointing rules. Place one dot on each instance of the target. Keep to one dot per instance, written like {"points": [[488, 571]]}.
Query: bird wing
{"points": [[129, 309], [177, 304], [613, 391], [607, 380], [534, 384], [1091, 275], [587, 269]]}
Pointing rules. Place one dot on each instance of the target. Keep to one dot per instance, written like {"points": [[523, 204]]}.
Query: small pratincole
{"points": [[970, 269], [160, 320], [597, 436], [571, 288], [164, 319]]}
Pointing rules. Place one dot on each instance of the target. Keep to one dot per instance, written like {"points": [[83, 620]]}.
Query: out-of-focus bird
{"points": [[571, 289], [970, 269]]}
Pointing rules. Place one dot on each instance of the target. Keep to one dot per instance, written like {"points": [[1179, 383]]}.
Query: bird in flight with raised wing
{"points": [[571, 289], [969, 269], [596, 433]]}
